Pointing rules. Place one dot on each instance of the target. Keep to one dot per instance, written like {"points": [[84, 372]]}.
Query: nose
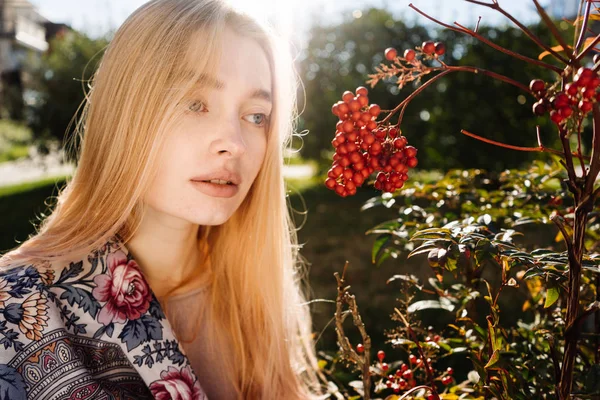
{"points": [[229, 141]]}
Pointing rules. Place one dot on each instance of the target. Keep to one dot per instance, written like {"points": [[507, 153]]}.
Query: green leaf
{"points": [[380, 243], [552, 294], [493, 359], [433, 233], [407, 278], [430, 304]]}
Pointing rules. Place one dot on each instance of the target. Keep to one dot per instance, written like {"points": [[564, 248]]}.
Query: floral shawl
{"points": [[88, 329]]}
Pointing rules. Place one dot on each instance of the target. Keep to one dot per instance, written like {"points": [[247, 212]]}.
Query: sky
{"points": [[96, 17]]}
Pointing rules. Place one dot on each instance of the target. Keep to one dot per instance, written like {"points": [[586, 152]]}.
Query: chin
{"points": [[213, 219]]}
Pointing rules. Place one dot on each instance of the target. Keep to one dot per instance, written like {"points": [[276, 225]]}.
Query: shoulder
{"points": [[45, 297]]}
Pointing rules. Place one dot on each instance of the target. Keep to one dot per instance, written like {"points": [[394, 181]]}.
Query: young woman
{"points": [[168, 268]]}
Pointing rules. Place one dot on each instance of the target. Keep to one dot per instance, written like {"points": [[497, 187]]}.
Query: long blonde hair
{"points": [[257, 294]]}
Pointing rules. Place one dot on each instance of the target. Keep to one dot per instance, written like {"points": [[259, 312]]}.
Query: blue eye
{"points": [[258, 119]]}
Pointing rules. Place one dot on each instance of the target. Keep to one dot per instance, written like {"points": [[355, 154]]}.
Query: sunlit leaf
{"points": [[557, 48], [552, 294]]}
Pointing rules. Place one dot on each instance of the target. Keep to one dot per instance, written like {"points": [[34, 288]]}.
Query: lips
{"points": [[222, 175]]}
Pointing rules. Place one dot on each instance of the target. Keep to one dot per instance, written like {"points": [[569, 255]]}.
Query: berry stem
{"points": [[530, 34], [413, 95], [494, 75], [348, 351], [588, 47], [583, 28], [490, 43], [541, 148], [548, 21], [420, 349], [579, 153]]}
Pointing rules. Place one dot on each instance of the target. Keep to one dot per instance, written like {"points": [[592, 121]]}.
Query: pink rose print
{"points": [[177, 385], [124, 290]]}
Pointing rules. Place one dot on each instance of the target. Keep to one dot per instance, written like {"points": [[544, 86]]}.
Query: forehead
{"points": [[242, 63]]}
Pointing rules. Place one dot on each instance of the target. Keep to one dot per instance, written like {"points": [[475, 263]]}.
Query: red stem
{"points": [[490, 43], [583, 28], [588, 47], [541, 148], [530, 34], [413, 94]]}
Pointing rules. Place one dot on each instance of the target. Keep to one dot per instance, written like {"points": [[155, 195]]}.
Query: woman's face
{"points": [[221, 134]]}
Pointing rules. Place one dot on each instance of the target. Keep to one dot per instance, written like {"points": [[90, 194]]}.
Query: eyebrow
{"points": [[206, 80]]}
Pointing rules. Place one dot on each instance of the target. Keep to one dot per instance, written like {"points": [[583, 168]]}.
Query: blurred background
{"points": [[49, 48]]}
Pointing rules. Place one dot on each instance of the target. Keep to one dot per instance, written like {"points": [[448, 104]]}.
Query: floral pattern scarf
{"points": [[88, 329]]}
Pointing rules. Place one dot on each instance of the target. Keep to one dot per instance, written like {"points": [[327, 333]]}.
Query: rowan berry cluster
{"points": [[428, 48], [363, 147], [570, 104], [404, 377]]}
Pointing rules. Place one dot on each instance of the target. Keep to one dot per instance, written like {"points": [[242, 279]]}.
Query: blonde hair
{"points": [[257, 297]]}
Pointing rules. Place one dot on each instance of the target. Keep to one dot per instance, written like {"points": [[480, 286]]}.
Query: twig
{"points": [[530, 34], [559, 223], [490, 43], [553, 29], [587, 48], [347, 349], [420, 349], [413, 94], [541, 148], [586, 15]]}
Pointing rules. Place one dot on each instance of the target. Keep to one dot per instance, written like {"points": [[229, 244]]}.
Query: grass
{"points": [[14, 152]]}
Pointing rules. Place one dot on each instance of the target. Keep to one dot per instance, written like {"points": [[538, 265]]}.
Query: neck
{"points": [[168, 252]]}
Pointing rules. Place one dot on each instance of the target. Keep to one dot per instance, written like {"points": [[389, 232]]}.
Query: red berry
{"points": [[440, 48], [402, 383], [343, 108], [449, 370], [385, 367], [354, 106], [412, 162], [408, 374], [588, 92], [585, 106], [347, 126], [409, 55], [360, 348], [571, 89], [556, 117], [585, 72], [362, 100], [565, 112], [446, 380], [330, 183], [380, 353], [404, 367], [428, 47], [537, 85], [560, 100], [361, 90], [390, 53], [348, 96], [374, 110], [433, 397], [539, 108], [410, 151], [358, 178], [388, 384], [412, 358], [594, 83]]}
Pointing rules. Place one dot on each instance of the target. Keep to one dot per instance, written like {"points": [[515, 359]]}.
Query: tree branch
{"points": [[490, 43]]}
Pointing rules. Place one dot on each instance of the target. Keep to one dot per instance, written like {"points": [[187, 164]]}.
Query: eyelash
{"points": [[266, 118]]}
